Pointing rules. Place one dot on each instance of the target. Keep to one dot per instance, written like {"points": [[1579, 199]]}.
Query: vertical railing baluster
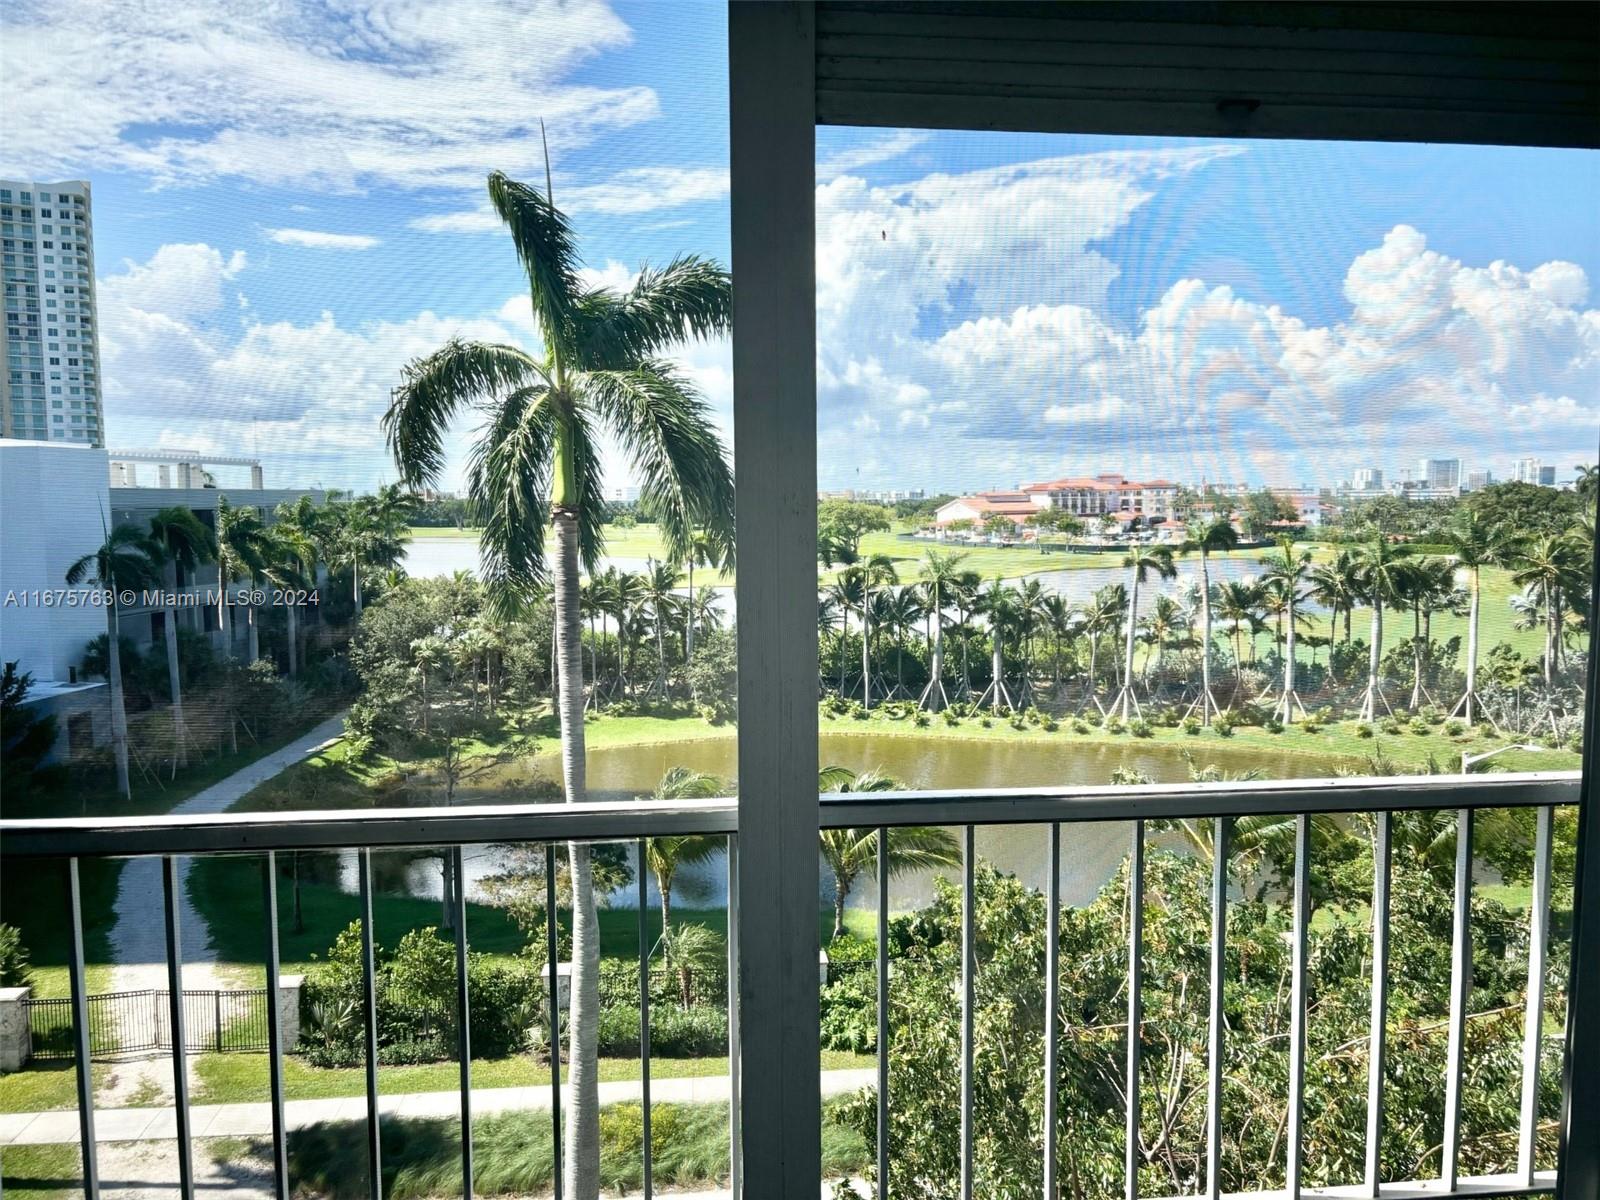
{"points": [[644, 1017], [1221, 831], [458, 912], [80, 1030], [170, 900], [280, 1133], [1460, 995], [968, 970], [1131, 1155], [1379, 1019], [1533, 1017], [552, 948], [1052, 1007], [735, 1175], [883, 1013], [369, 974], [1295, 1132]]}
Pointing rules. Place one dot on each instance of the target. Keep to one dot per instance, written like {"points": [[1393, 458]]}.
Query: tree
{"points": [[290, 567], [876, 572], [940, 574], [1237, 602], [660, 596], [1102, 613], [1140, 561], [537, 462], [126, 560], [998, 604], [998, 525], [664, 855], [1058, 521], [705, 550], [1287, 572], [849, 852], [1552, 567], [1262, 510], [184, 543], [1336, 586], [841, 524], [1525, 508], [242, 549], [26, 740], [1206, 536], [1382, 579]]}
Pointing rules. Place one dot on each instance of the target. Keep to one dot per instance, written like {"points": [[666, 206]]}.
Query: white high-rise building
{"points": [[1439, 474], [51, 387], [1532, 470], [1366, 479]]}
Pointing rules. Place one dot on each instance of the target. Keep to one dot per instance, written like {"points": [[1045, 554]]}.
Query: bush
{"points": [[1310, 725], [1115, 725], [1363, 731], [1016, 722], [1272, 725], [1191, 726], [921, 720], [1420, 727], [986, 722], [849, 1011], [14, 966], [1454, 729], [1141, 728], [1224, 725], [1050, 725], [674, 1032], [951, 717]]}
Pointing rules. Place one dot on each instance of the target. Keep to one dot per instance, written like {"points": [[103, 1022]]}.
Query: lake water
{"points": [[1090, 852]]}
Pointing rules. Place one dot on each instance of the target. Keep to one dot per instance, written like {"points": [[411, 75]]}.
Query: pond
{"points": [[1090, 853]]}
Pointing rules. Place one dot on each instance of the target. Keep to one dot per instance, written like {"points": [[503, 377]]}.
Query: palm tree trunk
{"points": [[999, 666], [840, 893], [1127, 651], [224, 613], [583, 1122], [119, 715], [355, 581], [255, 632], [294, 640], [688, 620], [1369, 710], [169, 634], [1416, 656], [1472, 649], [1207, 701], [866, 653]]}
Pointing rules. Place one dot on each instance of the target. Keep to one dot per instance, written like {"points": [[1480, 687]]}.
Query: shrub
{"points": [[14, 967], [1363, 731], [951, 717], [1080, 726], [1224, 725], [986, 722], [849, 1011], [921, 720], [1390, 726], [1309, 725], [674, 1032], [1420, 727], [1141, 728], [1454, 729], [1272, 725], [1050, 725], [1191, 726], [1115, 725], [1016, 722]]}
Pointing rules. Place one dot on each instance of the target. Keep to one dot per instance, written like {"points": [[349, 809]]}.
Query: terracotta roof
{"points": [[1104, 483]]}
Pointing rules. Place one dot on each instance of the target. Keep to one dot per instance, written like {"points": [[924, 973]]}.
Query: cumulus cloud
{"points": [[400, 93], [317, 239]]}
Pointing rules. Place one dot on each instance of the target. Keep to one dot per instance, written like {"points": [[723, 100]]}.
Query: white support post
{"points": [[772, 151]]}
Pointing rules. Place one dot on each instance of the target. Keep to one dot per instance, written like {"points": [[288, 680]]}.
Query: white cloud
{"points": [[472, 220], [892, 145], [317, 239], [402, 93], [646, 189]]}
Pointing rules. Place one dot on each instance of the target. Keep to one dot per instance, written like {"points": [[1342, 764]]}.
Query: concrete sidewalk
{"points": [[255, 1119]]}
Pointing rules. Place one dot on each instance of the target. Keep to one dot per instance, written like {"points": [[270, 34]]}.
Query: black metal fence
{"points": [[134, 1022]]}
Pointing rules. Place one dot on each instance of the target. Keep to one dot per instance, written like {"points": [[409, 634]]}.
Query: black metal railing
{"points": [[121, 1023]]}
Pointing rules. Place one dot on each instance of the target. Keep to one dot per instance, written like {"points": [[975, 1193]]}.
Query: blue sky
{"points": [[288, 206]]}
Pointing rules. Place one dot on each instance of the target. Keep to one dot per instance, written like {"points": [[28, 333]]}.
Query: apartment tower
{"points": [[51, 387]]}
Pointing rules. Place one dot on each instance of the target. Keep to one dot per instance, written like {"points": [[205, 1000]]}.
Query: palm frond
{"points": [[435, 388], [548, 252], [667, 430], [689, 298], [508, 485]]}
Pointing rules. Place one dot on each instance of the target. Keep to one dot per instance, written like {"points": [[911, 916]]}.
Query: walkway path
{"points": [[254, 1120], [138, 938]]}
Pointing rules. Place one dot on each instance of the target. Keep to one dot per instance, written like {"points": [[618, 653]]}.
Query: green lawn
{"points": [[44, 1086], [42, 1172], [242, 1078]]}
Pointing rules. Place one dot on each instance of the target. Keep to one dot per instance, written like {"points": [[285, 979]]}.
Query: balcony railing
{"points": [[548, 825]]}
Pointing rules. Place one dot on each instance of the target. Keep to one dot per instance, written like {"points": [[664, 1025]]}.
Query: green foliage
{"points": [[1191, 726], [713, 675], [26, 739], [1140, 728], [15, 970]]}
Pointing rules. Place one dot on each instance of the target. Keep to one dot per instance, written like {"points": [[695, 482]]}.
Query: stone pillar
{"points": [[822, 968], [16, 1037], [289, 987]]}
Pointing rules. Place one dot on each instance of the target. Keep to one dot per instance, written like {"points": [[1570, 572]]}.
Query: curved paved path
{"points": [[138, 938]]}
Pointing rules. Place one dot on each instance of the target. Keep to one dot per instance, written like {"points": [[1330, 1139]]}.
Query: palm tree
{"points": [[848, 593], [290, 566], [1102, 612], [184, 543], [1287, 572], [1205, 536], [964, 594], [706, 549], [1335, 585], [998, 604], [1551, 566], [1162, 626], [876, 571], [1061, 619], [1237, 602], [940, 574], [1429, 586], [1031, 618], [242, 548], [660, 595], [1382, 578], [537, 462], [1141, 561], [849, 852], [664, 855], [125, 561], [903, 611]]}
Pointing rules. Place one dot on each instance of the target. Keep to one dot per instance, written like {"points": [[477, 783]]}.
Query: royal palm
{"points": [[1140, 561], [242, 549], [537, 462], [941, 575], [1382, 580], [184, 543], [1215, 534], [1286, 574]]}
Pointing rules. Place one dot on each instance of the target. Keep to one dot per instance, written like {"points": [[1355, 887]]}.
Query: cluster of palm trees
{"points": [[1032, 635], [645, 615], [353, 534]]}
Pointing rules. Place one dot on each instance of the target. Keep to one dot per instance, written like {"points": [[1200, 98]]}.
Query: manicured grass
{"points": [[42, 1172], [511, 1155], [33, 897], [44, 1087], [242, 1078]]}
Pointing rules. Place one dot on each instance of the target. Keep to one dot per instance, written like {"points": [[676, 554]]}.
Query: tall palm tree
{"points": [[876, 571], [184, 543], [660, 596], [1031, 618], [964, 594], [940, 573], [706, 549], [1287, 572], [1429, 586], [1335, 585], [664, 855], [1061, 619], [1205, 537], [126, 560], [1102, 613], [1382, 580], [1162, 627], [904, 610], [242, 548], [1237, 603], [1551, 566], [998, 605], [537, 463], [849, 852], [291, 565], [1140, 561], [848, 593]]}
